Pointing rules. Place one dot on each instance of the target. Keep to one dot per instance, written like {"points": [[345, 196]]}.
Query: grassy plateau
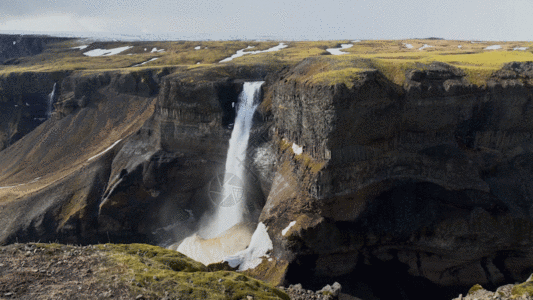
{"points": [[392, 57]]}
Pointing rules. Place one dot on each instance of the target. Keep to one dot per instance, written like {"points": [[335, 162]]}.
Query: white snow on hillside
{"points": [[110, 147], [408, 46], [80, 47], [284, 231], [251, 257], [337, 51], [425, 46], [154, 50], [20, 184], [197, 47], [459, 46], [493, 47], [106, 52], [241, 52], [297, 149], [137, 65], [520, 48]]}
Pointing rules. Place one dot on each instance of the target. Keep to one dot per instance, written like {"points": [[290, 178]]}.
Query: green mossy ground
{"points": [[474, 289], [157, 272]]}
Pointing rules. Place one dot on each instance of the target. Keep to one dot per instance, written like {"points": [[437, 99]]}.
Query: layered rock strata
{"points": [[433, 176]]}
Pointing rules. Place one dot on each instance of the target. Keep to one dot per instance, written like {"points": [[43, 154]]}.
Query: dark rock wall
{"points": [[433, 175], [24, 103], [14, 46]]}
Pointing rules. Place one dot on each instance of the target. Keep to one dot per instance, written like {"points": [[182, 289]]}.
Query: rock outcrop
{"points": [[433, 177]]}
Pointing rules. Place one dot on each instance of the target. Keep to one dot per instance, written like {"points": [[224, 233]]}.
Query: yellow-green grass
{"points": [[391, 57], [154, 270], [477, 66]]}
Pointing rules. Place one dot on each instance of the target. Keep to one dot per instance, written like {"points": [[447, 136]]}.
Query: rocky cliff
{"points": [[15, 46], [426, 184], [431, 178]]}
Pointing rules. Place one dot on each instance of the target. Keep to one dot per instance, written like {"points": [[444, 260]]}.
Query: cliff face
{"points": [[124, 156], [24, 101], [53, 177], [433, 176], [14, 46]]}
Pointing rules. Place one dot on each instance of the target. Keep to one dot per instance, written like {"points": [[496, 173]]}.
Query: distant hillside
{"points": [[14, 46]]}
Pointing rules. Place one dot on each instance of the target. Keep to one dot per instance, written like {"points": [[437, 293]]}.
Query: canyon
{"points": [[423, 184]]}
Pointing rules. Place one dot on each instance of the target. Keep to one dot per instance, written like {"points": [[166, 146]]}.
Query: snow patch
{"points": [[337, 51], [425, 46], [197, 47], [493, 47], [459, 46], [408, 46], [155, 50], [104, 52], [110, 147], [297, 149], [155, 58], [241, 52], [520, 48], [80, 47], [251, 256], [14, 43], [15, 185], [284, 231]]}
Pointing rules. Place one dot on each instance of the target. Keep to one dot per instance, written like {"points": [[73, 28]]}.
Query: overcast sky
{"points": [[509, 20]]}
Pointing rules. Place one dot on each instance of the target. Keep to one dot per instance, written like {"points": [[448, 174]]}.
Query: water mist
{"points": [[215, 240]]}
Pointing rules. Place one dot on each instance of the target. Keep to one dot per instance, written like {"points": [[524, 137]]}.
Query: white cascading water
{"points": [[51, 101], [227, 216], [223, 233]]}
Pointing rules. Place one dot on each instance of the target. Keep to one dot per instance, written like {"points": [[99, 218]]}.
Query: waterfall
{"points": [[51, 101], [230, 206], [225, 233]]}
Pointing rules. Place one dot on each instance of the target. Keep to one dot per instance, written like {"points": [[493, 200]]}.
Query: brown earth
{"points": [[29, 272]]}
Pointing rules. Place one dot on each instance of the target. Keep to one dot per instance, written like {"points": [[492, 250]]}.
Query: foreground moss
{"points": [[525, 288], [160, 272]]}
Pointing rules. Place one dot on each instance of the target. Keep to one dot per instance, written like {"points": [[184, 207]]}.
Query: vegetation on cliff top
{"points": [[390, 57]]}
